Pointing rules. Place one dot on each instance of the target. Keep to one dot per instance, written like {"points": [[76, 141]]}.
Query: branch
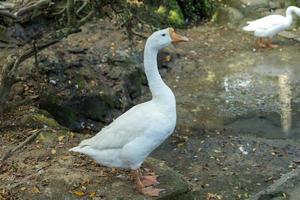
{"points": [[28, 140], [90, 14], [86, 18], [54, 38], [8, 14], [6, 6], [84, 4], [37, 5]]}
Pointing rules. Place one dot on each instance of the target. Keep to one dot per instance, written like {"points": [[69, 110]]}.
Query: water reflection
{"points": [[259, 103], [285, 94]]}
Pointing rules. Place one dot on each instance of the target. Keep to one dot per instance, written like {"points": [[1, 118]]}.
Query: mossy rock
{"points": [[228, 15], [38, 120], [169, 179]]}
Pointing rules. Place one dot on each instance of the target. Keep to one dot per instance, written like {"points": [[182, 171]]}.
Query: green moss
{"points": [[176, 17], [35, 119], [172, 12], [68, 115], [161, 10], [80, 83]]}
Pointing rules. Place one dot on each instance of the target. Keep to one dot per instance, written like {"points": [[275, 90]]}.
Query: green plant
{"points": [[195, 10]]}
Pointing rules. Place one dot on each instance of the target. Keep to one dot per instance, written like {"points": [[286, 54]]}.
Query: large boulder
{"points": [[228, 15]]}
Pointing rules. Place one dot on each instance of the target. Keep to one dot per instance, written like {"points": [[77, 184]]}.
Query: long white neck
{"points": [[160, 91], [289, 13]]}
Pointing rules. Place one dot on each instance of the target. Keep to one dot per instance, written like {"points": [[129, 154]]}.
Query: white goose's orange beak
{"points": [[176, 38]]}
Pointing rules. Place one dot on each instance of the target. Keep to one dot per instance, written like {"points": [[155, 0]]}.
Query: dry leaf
{"points": [[79, 193], [92, 194], [53, 151], [23, 188], [35, 190], [168, 58], [66, 157], [60, 138]]}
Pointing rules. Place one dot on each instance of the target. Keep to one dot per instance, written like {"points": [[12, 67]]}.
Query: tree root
{"points": [[36, 6]]}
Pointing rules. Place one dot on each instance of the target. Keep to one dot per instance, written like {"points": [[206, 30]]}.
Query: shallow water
{"points": [[254, 92]]}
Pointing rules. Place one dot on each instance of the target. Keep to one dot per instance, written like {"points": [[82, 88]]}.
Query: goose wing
{"points": [[265, 23], [127, 127]]}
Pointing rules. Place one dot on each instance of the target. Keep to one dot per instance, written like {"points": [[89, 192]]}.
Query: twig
{"points": [[87, 17], [28, 140], [35, 53], [90, 14], [60, 12], [138, 34], [58, 36], [24, 180], [85, 3]]}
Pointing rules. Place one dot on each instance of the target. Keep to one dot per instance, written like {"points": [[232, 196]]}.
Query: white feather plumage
{"points": [[129, 139], [271, 25]]}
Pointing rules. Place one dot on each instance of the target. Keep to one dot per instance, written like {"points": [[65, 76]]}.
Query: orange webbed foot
{"points": [[149, 180], [273, 46], [151, 191]]}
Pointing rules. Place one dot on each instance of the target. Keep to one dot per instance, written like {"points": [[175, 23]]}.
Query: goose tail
{"points": [[248, 28], [76, 149]]}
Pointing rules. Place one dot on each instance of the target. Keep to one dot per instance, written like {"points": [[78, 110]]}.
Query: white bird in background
{"points": [[129, 139], [271, 25]]}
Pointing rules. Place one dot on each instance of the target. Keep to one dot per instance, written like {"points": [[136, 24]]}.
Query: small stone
{"points": [[53, 82]]}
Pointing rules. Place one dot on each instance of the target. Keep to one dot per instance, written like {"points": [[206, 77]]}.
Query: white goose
{"points": [[129, 139], [271, 25]]}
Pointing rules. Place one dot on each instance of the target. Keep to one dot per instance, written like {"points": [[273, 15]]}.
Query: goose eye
{"points": [[163, 34]]}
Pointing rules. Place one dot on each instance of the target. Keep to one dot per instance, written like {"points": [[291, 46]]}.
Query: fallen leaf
{"points": [[168, 58], [60, 138], [79, 193], [92, 194], [35, 190], [23, 188], [53, 151], [66, 157]]}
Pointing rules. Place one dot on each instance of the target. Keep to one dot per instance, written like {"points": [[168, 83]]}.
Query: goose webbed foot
{"points": [[151, 191], [144, 184], [261, 43], [149, 180], [272, 46]]}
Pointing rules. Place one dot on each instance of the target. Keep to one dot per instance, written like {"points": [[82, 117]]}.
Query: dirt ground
{"points": [[214, 160]]}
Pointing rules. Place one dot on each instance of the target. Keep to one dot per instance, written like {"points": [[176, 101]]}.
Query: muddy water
{"points": [[238, 112], [254, 92]]}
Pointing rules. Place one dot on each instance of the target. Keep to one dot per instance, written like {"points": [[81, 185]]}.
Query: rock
{"points": [[287, 185], [38, 118], [249, 7], [64, 181], [169, 179], [228, 15]]}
